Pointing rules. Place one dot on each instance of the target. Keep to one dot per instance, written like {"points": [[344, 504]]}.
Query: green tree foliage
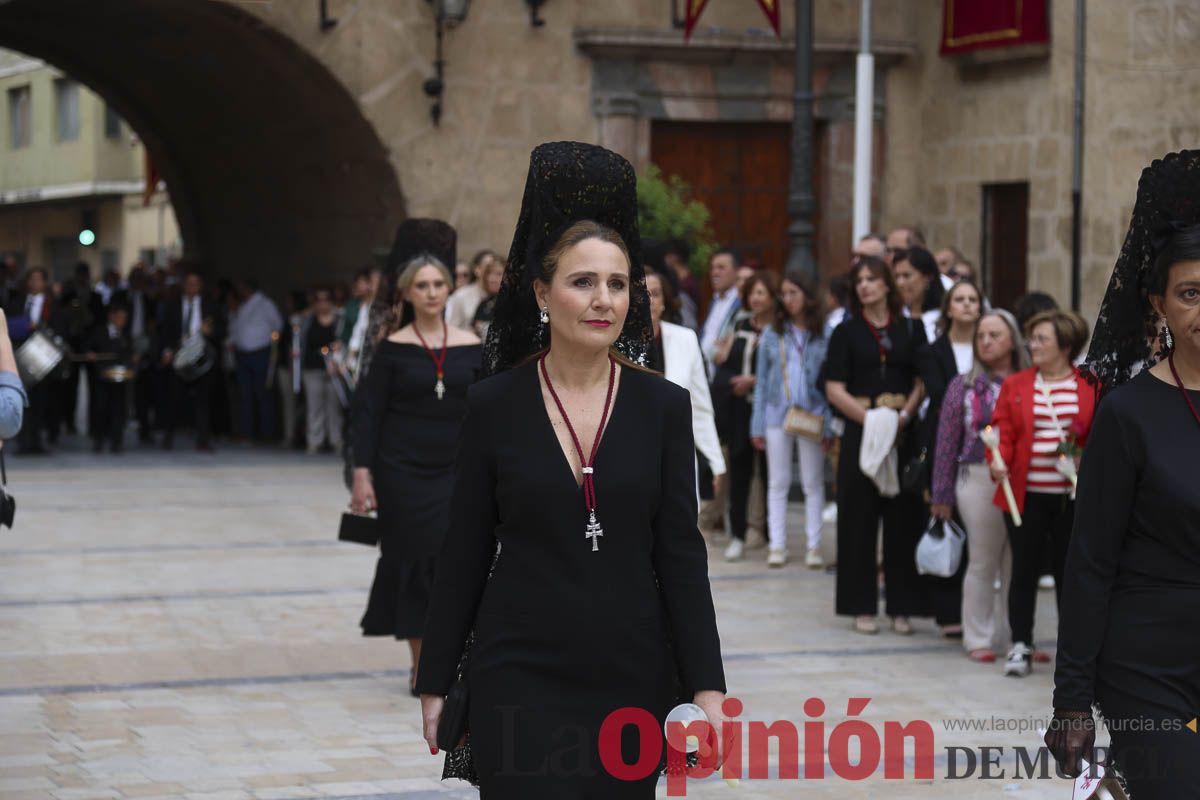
{"points": [[667, 210]]}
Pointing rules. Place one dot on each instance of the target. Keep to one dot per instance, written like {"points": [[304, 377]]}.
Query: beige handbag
{"points": [[797, 421]]}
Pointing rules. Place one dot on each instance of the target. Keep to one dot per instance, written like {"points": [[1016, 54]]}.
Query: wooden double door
{"points": [[741, 171]]}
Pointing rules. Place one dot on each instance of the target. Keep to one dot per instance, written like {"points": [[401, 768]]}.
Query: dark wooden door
{"points": [[1005, 242], [741, 172]]}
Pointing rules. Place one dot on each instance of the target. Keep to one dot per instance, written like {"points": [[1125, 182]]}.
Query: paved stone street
{"points": [[186, 626]]}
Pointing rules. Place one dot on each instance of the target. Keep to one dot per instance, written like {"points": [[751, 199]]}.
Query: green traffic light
{"points": [[87, 237]]}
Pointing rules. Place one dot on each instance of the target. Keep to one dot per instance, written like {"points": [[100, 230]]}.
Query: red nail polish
{"points": [[433, 751]]}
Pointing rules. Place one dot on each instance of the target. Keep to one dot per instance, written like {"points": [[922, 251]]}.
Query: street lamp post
{"points": [[446, 14], [801, 203]]}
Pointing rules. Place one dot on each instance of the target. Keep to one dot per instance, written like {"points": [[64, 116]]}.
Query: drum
{"points": [[118, 373], [39, 356], [194, 358]]}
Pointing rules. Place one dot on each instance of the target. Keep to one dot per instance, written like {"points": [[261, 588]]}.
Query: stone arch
{"points": [[273, 170]]}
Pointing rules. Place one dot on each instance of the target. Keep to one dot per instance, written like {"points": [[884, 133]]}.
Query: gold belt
{"points": [[892, 400]]}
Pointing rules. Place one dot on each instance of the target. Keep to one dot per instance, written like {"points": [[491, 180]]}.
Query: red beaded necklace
{"points": [[589, 488], [1186, 397], [878, 334], [439, 361]]}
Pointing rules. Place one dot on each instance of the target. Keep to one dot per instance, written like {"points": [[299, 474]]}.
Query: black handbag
{"points": [[914, 477], [452, 725], [359, 528]]}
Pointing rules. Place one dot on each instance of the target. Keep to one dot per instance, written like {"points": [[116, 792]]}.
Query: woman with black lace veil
{"points": [[406, 417], [577, 464], [1129, 644]]}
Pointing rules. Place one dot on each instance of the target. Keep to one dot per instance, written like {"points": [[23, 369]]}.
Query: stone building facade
{"points": [[292, 148]]}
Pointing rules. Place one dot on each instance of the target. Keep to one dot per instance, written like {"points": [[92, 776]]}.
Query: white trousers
{"points": [[989, 557], [324, 411], [779, 480]]}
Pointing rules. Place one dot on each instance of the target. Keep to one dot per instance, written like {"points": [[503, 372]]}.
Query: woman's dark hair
{"points": [[670, 301], [768, 281], [839, 287], [1032, 304], [1182, 244], [943, 324], [879, 268], [923, 262], [813, 318]]}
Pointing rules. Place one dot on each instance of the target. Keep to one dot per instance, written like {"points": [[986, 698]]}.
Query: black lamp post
{"points": [[801, 203], [446, 14]]}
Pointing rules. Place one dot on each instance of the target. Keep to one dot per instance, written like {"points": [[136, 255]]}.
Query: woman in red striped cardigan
{"points": [[1043, 416]]}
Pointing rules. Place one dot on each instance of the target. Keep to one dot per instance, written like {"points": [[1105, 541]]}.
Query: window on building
{"points": [[61, 254], [147, 255], [18, 117], [109, 259], [66, 106], [1005, 245], [112, 122]]}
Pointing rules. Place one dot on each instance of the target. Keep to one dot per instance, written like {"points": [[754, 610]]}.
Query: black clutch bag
{"points": [[453, 723], [359, 529]]}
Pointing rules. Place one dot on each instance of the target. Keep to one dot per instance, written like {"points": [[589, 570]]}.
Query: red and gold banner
{"points": [[969, 25], [771, 9], [691, 15]]}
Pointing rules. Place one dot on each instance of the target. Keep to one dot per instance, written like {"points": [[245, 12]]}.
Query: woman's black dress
{"points": [[407, 436], [564, 634], [732, 415], [1129, 630], [853, 359]]}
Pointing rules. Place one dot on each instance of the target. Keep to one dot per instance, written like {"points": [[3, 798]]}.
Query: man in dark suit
{"points": [[142, 327], [30, 311], [110, 346], [81, 309], [184, 317]]}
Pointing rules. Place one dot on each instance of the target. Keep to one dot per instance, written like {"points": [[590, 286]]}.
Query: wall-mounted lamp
{"points": [[534, 6], [328, 23], [446, 14]]}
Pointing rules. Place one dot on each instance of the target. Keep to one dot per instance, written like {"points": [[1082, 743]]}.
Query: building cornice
{"points": [[69, 191], [21, 67], [719, 46]]}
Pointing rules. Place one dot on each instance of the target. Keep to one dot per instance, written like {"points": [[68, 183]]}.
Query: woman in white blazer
{"points": [[675, 352]]}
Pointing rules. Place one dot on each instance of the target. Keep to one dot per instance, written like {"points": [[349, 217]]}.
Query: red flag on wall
{"points": [[771, 9], [691, 15], [969, 25], [151, 173]]}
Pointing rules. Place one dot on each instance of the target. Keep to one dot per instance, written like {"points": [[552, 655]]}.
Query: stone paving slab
{"points": [[185, 626]]}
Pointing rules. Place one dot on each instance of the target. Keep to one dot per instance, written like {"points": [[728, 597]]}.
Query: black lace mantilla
{"points": [[567, 182], [1128, 335], [414, 236]]}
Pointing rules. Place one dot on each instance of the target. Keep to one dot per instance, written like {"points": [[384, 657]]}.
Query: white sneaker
{"points": [[813, 560], [1046, 583], [734, 551], [777, 557], [1019, 661]]}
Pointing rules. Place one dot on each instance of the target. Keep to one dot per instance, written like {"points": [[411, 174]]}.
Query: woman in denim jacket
{"points": [[797, 337]]}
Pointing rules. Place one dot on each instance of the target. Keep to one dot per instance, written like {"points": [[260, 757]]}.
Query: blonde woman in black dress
{"points": [[580, 464], [408, 412]]}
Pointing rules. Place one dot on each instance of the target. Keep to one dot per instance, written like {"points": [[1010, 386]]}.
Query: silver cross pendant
{"points": [[593, 531]]}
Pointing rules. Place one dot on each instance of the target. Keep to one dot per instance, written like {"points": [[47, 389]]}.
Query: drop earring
{"points": [[545, 315], [1168, 339]]}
